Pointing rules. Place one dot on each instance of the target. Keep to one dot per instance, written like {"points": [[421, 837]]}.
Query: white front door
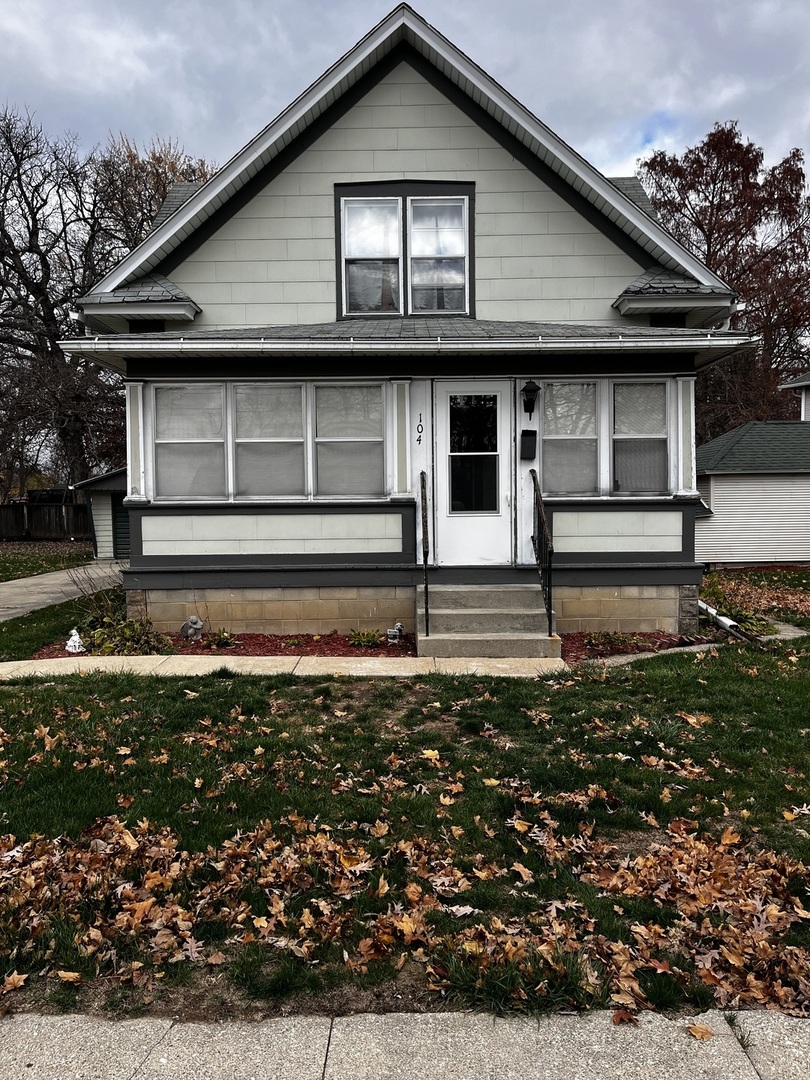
{"points": [[473, 472]]}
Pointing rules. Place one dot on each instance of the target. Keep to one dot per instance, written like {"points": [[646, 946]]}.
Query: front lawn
{"points": [[21, 559], [757, 594], [634, 837]]}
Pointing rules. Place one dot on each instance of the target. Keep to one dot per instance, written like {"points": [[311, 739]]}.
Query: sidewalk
{"points": [[23, 595], [431, 1046]]}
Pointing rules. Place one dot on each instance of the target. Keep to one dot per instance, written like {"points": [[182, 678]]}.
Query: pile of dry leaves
{"points": [[131, 902]]}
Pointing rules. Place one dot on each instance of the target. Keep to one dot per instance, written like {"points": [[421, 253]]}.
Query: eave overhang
{"points": [[169, 312], [403, 25]]}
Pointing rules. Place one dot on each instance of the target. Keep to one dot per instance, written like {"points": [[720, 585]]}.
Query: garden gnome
{"points": [[75, 643]]}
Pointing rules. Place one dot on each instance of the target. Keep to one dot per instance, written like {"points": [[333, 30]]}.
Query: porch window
{"points": [[405, 253], [269, 454], [349, 440], [190, 441], [570, 460], [243, 441], [640, 437], [605, 437]]}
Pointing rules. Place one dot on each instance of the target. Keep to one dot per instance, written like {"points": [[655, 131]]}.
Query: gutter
{"points": [[263, 347]]}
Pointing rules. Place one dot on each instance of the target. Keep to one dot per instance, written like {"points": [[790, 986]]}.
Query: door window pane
{"points": [[473, 423], [474, 483]]}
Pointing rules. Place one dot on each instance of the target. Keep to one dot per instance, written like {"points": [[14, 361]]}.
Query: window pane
{"points": [[444, 299], [569, 466], [372, 286], [270, 468], [437, 228], [569, 409], [639, 409], [188, 412], [346, 412], [190, 470], [640, 465], [437, 272], [473, 423], [474, 483], [371, 228], [268, 412], [346, 468]]}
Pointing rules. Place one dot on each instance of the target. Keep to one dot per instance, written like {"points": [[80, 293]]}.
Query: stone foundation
{"points": [[626, 608], [317, 610]]}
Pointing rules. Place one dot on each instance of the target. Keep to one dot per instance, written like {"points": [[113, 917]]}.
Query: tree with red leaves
{"points": [[750, 223]]}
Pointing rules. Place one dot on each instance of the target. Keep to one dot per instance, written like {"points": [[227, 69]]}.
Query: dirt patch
{"points": [[577, 648]]}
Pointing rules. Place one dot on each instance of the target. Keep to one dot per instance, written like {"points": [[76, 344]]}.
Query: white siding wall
{"points": [[273, 262], [756, 519], [101, 509], [270, 534], [618, 530]]}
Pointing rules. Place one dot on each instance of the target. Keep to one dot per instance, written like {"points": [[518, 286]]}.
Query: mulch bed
{"points": [[576, 648]]}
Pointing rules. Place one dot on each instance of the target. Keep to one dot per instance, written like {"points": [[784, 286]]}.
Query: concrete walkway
{"points": [[24, 595], [434, 1046]]}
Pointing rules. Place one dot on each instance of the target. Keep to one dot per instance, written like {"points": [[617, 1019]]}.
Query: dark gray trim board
{"points": [[401, 365], [291, 577], [405, 509]]}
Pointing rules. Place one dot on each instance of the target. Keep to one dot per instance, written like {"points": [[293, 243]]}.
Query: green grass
{"points": [[21, 637], [20, 559], [441, 785]]}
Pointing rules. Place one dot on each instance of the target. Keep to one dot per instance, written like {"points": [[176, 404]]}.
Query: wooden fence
{"points": [[44, 521]]}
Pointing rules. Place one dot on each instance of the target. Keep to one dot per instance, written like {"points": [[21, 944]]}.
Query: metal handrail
{"points": [[543, 549], [425, 545]]}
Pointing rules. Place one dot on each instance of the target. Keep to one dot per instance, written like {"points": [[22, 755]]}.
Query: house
{"points": [[755, 481], [359, 355]]}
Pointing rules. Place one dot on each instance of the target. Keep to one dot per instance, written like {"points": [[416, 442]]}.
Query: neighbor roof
{"points": [[177, 196], [800, 380], [761, 446], [404, 27]]}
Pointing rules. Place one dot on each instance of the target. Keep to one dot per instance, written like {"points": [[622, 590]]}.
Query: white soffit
{"points": [[403, 24]]}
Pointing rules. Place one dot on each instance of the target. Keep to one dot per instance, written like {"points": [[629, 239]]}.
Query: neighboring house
{"points": [[755, 480], [408, 275], [801, 388], [109, 517]]}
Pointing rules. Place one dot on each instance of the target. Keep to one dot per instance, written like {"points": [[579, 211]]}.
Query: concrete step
{"points": [[481, 596], [489, 645], [488, 620]]}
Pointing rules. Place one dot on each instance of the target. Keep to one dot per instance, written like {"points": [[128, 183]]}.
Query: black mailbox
{"points": [[528, 445]]}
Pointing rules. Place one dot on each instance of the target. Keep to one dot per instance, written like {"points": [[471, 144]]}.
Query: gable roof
{"points": [[761, 446], [800, 380], [404, 26]]}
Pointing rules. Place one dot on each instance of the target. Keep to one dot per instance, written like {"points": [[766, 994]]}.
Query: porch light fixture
{"points": [[530, 391]]}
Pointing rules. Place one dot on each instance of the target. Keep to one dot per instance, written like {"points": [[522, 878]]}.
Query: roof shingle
{"points": [[761, 446]]}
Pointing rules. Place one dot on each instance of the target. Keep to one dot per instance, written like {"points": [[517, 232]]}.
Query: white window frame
{"points": [[228, 388], [605, 438], [405, 258]]}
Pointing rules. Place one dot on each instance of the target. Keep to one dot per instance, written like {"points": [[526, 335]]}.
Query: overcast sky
{"points": [[614, 78]]}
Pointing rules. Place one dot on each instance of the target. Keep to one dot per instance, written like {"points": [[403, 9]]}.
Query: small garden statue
{"points": [[75, 643], [192, 628]]}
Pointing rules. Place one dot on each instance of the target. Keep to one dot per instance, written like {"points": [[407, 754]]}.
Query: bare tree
{"points": [[66, 218], [751, 225]]}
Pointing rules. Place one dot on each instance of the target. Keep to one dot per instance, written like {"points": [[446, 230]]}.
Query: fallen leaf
{"points": [[71, 977], [700, 1032], [624, 1016], [12, 982]]}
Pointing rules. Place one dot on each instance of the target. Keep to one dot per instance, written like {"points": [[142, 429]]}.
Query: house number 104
{"points": [[419, 429]]}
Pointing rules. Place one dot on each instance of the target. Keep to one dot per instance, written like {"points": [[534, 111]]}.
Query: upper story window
{"points": [[405, 253]]}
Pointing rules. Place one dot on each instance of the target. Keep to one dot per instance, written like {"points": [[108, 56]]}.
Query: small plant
{"points": [[221, 639], [365, 638], [130, 637]]}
